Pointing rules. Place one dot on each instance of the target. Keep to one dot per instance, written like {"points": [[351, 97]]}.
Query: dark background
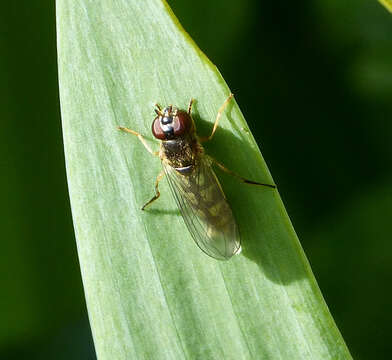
{"points": [[314, 81]]}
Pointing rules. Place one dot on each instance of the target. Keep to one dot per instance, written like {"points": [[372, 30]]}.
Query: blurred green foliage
{"points": [[314, 82], [387, 4]]}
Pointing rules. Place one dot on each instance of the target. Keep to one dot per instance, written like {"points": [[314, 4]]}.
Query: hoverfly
{"points": [[193, 183]]}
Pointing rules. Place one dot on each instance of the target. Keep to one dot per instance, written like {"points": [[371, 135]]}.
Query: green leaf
{"points": [[387, 4], [151, 293]]}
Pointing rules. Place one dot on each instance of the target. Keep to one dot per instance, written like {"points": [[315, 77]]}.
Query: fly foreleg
{"points": [[239, 177], [190, 107], [218, 116], [157, 193], [141, 138]]}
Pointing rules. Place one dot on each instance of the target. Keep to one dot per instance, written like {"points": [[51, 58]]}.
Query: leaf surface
{"points": [[151, 293], [387, 4]]}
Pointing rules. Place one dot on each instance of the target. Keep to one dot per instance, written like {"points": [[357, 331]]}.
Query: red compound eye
{"points": [[182, 123], [157, 129], [169, 126]]}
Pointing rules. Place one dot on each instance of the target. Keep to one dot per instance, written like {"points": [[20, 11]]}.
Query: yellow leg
{"points": [[158, 110], [141, 138], [190, 106], [157, 193], [218, 116], [239, 177]]}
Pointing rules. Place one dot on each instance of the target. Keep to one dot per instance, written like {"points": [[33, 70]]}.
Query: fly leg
{"points": [[239, 177], [157, 193], [190, 106], [141, 138], [218, 116]]}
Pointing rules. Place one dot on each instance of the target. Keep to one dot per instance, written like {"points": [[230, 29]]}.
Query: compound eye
{"points": [[182, 123], [168, 127], [157, 129]]}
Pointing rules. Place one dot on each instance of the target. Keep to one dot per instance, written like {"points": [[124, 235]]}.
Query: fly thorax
{"points": [[179, 152]]}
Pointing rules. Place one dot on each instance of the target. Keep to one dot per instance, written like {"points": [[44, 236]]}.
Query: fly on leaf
{"points": [[192, 180]]}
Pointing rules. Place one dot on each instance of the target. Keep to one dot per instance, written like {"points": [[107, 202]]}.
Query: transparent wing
{"points": [[205, 210]]}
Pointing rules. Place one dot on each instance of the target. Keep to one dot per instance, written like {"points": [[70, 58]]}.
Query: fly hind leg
{"points": [[239, 177], [157, 193]]}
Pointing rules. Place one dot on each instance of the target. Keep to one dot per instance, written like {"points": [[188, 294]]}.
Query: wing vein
{"points": [[204, 209]]}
